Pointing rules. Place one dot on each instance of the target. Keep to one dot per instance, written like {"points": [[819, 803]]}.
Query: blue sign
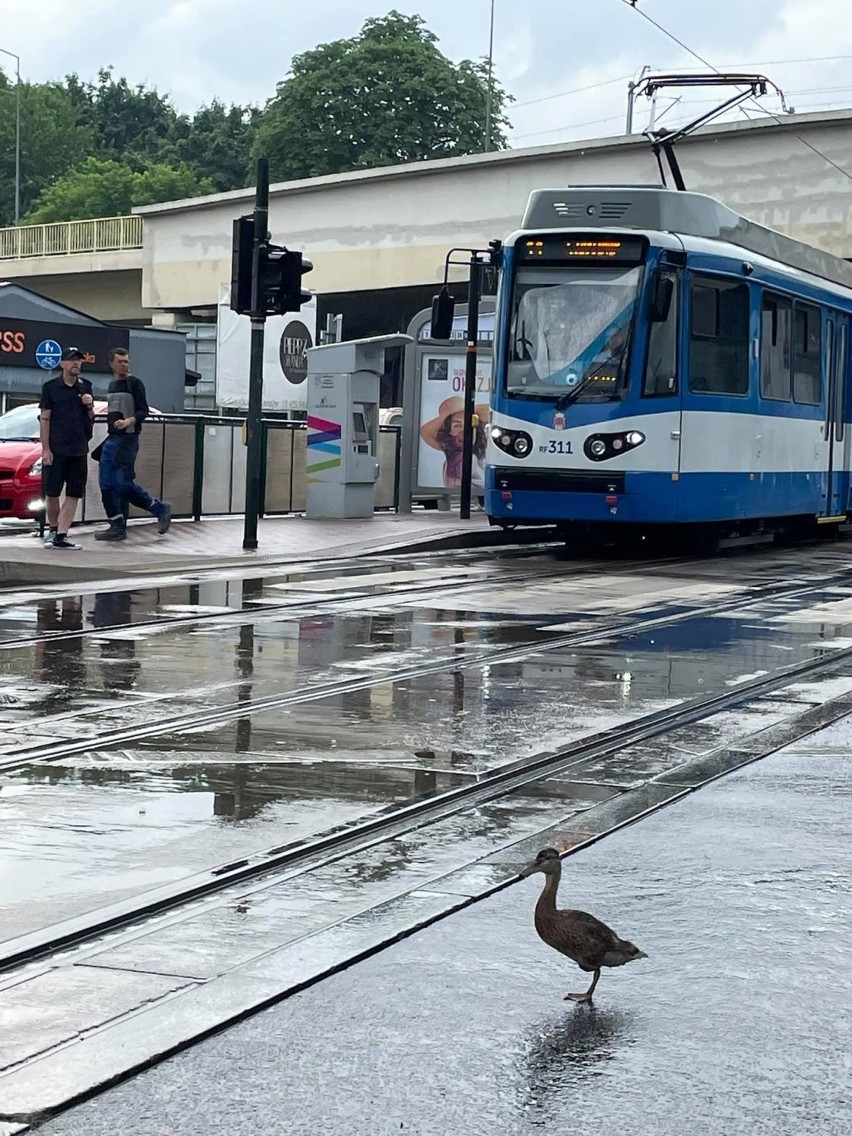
{"points": [[48, 353]]}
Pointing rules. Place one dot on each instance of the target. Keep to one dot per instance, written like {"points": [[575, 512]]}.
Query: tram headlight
{"points": [[600, 447], [516, 443]]}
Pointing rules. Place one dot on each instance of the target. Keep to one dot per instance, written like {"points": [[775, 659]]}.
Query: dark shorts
{"points": [[66, 472]]}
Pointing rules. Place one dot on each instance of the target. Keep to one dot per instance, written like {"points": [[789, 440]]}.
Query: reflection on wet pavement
{"points": [[736, 1024], [118, 819]]}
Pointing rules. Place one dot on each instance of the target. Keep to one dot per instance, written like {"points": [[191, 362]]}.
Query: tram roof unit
{"points": [[674, 211]]}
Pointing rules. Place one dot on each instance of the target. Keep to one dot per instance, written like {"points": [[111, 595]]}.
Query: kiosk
{"points": [[343, 425]]}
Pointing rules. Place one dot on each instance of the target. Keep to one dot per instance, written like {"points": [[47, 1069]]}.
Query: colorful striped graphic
{"points": [[323, 438]]}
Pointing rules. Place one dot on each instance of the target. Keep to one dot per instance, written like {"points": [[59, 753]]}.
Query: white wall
{"points": [[392, 228]]}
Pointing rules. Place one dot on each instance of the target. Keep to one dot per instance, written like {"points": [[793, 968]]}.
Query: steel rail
{"points": [[278, 863], [186, 723]]}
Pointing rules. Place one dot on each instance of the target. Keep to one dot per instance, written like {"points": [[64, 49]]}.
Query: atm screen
{"points": [[358, 422]]}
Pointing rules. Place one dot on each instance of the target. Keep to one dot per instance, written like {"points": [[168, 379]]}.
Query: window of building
{"points": [[718, 337], [776, 342], [201, 357], [807, 354]]}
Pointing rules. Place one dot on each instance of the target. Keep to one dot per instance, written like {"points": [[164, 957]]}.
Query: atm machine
{"points": [[343, 425]]}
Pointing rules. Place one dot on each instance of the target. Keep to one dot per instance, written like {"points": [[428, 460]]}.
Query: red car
{"points": [[20, 459], [20, 463]]}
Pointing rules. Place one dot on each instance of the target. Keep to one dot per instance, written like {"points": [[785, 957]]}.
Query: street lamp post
{"points": [[490, 70], [17, 59]]}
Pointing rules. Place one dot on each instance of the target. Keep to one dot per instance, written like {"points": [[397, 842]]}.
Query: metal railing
{"points": [[198, 463], [62, 238]]}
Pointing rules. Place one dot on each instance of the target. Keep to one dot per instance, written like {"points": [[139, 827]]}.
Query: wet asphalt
{"points": [[120, 818], [737, 1024]]}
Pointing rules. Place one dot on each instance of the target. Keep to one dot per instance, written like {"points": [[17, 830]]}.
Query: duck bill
{"points": [[529, 870]]}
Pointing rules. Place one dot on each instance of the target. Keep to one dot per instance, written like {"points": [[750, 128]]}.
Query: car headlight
{"points": [[35, 468]]}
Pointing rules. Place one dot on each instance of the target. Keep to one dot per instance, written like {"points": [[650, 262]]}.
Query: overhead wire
{"points": [[625, 78], [771, 114]]}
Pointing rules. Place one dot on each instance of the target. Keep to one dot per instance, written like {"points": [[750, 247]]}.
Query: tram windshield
{"points": [[570, 332]]}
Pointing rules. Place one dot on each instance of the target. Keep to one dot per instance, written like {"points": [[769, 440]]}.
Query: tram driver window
{"points": [[661, 361], [807, 354], [718, 337]]}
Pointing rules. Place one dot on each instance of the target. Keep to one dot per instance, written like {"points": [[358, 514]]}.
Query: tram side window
{"points": [[807, 354], [661, 363], [776, 338], [718, 337]]}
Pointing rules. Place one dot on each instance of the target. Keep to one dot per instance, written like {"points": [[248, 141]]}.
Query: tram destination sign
{"points": [[582, 249]]}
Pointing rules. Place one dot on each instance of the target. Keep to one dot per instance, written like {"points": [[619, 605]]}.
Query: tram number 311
{"points": [[556, 447]]}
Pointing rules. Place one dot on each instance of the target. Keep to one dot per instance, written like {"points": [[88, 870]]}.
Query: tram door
{"points": [[837, 429]]}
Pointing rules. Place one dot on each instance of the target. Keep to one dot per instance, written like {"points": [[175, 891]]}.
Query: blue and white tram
{"points": [[660, 360]]}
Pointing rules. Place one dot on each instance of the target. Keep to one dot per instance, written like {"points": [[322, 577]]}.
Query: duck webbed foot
{"points": [[586, 996]]}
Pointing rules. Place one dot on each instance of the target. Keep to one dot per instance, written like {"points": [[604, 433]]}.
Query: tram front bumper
{"points": [[519, 496]]}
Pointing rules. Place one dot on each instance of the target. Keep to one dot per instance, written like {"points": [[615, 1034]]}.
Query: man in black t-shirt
{"points": [[67, 415]]}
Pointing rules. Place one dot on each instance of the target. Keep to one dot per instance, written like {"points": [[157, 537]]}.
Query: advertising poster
{"points": [[439, 456], [285, 360]]}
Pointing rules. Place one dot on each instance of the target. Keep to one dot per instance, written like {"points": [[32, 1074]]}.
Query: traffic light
{"points": [[279, 275], [280, 280], [241, 258]]}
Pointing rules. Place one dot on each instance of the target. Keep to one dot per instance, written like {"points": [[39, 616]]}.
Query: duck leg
{"points": [[586, 996]]}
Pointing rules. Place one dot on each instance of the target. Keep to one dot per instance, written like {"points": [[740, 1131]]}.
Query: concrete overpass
{"points": [[94, 266], [380, 236]]}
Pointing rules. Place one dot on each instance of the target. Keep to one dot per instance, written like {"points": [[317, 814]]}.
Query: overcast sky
{"points": [[544, 50]]}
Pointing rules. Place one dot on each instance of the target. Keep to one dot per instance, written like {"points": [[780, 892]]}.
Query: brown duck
{"points": [[590, 943]]}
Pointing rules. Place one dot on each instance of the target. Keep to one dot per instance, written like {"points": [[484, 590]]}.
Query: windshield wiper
{"points": [[18, 439], [569, 396]]}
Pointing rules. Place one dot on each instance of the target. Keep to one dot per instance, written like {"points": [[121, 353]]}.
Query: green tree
{"points": [[102, 187], [217, 142], [386, 96], [159, 182], [134, 124], [53, 139]]}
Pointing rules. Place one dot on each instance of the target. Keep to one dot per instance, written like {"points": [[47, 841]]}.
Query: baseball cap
{"points": [[73, 353]]}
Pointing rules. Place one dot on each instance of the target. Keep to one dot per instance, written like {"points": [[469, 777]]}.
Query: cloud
{"points": [[198, 50]]}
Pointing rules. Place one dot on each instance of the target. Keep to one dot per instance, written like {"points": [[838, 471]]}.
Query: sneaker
{"points": [[48, 537], [61, 541], [112, 533], [165, 518]]}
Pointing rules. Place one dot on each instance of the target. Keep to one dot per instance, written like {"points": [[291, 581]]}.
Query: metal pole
{"points": [[18, 143], [631, 97], [17, 59], [470, 384], [254, 441], [490, 70]]}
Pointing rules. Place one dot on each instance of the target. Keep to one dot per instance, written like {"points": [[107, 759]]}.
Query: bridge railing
{"points": [[198, 463], [64, 238]]}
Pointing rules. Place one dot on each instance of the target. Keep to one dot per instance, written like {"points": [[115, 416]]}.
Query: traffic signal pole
{"points": [[469, 434], [254, 440]]}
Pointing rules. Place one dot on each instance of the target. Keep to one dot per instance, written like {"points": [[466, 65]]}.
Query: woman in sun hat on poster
{"points": [[445, 432]]}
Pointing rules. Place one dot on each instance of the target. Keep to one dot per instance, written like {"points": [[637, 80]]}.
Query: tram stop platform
{"points": [[216, 544]]}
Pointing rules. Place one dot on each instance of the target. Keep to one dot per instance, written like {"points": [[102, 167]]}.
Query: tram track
{"points": [[281, 862], [407, 591], [54, 751]]}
